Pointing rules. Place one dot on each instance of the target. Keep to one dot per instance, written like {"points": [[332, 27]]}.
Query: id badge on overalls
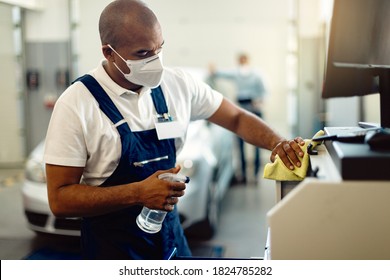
{"points": [[168, 128]]}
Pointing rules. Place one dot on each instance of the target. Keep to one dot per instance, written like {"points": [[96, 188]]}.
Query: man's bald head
{"points": [[122, 18]]}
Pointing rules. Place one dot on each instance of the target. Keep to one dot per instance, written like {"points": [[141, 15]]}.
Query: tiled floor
{"points": [[241, 233]]}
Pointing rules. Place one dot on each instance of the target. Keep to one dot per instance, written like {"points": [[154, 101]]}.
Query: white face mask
{"points": [[145, 72]]}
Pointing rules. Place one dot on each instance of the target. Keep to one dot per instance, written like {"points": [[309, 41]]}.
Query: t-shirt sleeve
{"points": [[65, 143], [205, 100]]}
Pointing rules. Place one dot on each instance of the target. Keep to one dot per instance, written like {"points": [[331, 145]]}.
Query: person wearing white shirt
{"points": [[107, 123]]}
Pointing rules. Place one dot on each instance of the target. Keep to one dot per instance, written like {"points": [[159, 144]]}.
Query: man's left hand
{"points": [[289, 152]]}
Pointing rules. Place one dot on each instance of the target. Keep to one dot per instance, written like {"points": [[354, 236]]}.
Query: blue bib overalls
{"points": [[116, 235]]}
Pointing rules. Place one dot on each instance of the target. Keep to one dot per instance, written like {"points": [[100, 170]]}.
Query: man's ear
{"points": [[108, 53]]}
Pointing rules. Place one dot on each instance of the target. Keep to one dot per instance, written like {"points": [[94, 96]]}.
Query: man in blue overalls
{"points": [[116, 129]]}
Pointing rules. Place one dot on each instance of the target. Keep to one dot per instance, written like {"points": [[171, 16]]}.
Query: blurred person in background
{"points": [[104, 150], [250, 93]]}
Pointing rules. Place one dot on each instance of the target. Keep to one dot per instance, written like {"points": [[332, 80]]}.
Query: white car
{"points": [[207, 158]]}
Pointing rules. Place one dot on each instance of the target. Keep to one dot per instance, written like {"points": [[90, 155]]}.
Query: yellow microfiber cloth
{"points": [[278, 171]]}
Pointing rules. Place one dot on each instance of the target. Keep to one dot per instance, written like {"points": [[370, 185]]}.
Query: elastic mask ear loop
{"points": [[121, 58], [119, 69], [116, 52]]}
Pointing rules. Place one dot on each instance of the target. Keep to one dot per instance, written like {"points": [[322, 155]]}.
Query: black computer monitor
{"points": [[358, 57]]}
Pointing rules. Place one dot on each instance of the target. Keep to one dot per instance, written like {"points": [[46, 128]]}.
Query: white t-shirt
{"points": [[81, 135]]}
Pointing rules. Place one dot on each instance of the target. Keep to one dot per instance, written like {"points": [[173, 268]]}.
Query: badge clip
{"points": [[164, 118]]}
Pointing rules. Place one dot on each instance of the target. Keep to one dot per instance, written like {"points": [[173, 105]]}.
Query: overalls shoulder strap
{"points": [[159, 101], [105, 103]]}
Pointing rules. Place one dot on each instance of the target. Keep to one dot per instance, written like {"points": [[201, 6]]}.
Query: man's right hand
{"points": [[160, 194]]}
